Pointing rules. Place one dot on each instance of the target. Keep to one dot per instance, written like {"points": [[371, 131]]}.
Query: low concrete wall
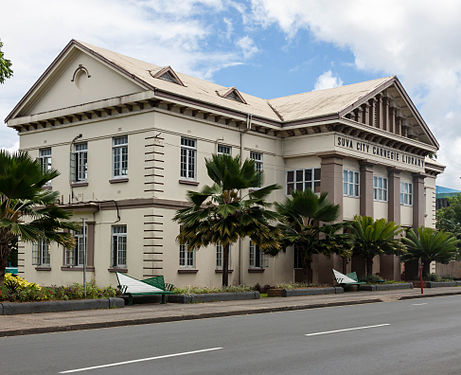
{"points": [[12, 308], [441, 284], [380, 287], [311, 291], [211, 297]]}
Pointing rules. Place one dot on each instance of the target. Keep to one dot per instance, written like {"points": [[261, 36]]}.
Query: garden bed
{"points": [[437, 284], [384, 286], [288, 292], [212, 297]]}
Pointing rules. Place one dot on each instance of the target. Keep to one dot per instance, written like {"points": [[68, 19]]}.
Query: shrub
{"points": [[373, 279]]}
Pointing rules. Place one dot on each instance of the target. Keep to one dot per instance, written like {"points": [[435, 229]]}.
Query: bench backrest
{"points": [[157, 281], [353, 276]]}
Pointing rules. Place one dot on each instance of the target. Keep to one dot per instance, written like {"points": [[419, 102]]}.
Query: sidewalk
{"points": [[12, 325]]}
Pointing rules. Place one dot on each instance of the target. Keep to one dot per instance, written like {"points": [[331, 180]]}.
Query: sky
{"points": [[267, 48]]}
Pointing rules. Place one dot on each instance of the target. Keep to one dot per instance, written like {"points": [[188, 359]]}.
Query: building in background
{"points": [[130, 139], [443, 194]]}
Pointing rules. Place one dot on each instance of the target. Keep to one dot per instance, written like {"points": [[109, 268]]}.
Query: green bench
{"points": [[155, 285], [347, 279]]}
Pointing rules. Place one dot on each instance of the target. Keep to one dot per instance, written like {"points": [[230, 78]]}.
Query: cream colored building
{"points": [[130, 138]]}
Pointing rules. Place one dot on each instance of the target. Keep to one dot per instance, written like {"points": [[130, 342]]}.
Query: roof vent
{"points": [[167, 74], [232, 94]]}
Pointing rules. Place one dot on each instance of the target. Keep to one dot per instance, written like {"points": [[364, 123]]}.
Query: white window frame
{"points": [[224, 149], [120, 156], [300, 179], [188, 158], [380, 189], [258, 159], [257, 258], [74, 257], [41, 253], [406, 193], [351, 183], [186, 257], [220, 257], [80, 162], [44, 157], [119, 246]]}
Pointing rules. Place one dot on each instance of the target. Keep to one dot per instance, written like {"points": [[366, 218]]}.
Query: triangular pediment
{"points": [[389, 108], [74, 78], [169, 75], [232, 94]]}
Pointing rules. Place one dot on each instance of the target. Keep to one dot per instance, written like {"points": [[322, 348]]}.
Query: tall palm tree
{"points": [[429, 245], [306, 221], [371, 238], [221, 214], [26, 210]]}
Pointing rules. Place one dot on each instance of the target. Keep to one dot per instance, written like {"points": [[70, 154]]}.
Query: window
{"points": [[302, 179], [351, 181], [45, 161], [119, 246], [188, 157], [79, 162], [258, 158], [380, 188], [186, 257], [220, 257], [257, 258], [74, 256], [120, 156], [406, 193], [224, 150], [298, 256], [41, 253]]}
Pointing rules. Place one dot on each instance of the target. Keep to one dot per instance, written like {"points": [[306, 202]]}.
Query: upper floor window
{"points": [[351, 181], [224, 150], [79, 162], [380, 188], [257, 258], [119, 246], [258, 158], [120, 156], [188, 157], [302, 179], [45, 161], [406, 193], [75, 256], [186, 257], [41, 253]]}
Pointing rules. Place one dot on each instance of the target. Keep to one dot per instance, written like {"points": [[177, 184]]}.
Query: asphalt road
{"points": [[406, 337]]}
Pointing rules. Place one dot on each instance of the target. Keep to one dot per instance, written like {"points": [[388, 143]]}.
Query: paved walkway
{"points": [[11, 325]]}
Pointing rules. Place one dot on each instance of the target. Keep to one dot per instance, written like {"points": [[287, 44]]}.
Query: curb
{"points": [[441, 294]]}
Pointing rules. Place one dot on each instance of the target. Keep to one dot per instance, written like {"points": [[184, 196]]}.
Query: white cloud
{"points": [[248, 47], [418, 40], [326, 80]]}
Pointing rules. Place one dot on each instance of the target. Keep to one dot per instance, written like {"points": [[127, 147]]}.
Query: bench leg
{"points": [[163, 298], [130, 299]]}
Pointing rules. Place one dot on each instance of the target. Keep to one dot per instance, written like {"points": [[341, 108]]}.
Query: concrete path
{"points": [[12, 325]]}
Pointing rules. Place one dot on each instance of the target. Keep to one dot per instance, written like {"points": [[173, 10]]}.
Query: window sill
{"points": [[189, 182], [40, 268], [221, 271], [118, 180], [76, 268], [256, 270], [185, 270], [79, 184], [351, 196], [121, 270]]}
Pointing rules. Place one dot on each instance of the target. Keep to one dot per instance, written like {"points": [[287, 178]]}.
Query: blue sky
{"points": [[267, 48]]}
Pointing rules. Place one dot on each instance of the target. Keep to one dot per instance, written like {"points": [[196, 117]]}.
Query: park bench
{"points": [[347, 279], [129, 286]]}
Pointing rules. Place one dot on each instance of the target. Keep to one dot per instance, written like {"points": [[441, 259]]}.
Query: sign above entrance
{"points": [[377, 151]]}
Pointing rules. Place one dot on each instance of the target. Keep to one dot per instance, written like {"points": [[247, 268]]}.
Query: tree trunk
{"points": [[3, 262], [225, 266], [426, 269], [369, 267]]}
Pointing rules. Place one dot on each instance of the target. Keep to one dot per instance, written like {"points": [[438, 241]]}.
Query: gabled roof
{"points": [[232, 94], [169, 75]]}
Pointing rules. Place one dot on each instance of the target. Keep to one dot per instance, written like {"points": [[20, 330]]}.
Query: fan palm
{"points": [[220, 214], [429, 245], [306, 222], [26, 210], [371, 238]]}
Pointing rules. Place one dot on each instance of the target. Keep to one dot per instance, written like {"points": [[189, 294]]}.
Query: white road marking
{"points": [[346, 330], [419, 304], [140, 360]]}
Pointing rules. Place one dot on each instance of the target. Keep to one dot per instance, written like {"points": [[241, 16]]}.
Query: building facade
{"points": [[130, 139]]}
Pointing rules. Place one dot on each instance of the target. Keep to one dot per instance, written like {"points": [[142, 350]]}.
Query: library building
{"points": [[130, 138]]}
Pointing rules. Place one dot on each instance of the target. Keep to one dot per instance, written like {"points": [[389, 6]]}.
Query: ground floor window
{"points": [[302, 179], [351, 182], [41, 253], [257, 258], [186, 257], [380, 188], [74, 256], [220, 257], [406, 193], [119, 246]]}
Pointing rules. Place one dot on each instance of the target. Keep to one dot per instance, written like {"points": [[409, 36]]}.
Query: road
{"points": [[405, 337]]}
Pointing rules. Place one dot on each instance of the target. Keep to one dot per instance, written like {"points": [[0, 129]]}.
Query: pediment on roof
{"points": [[389, 108], [169, 75], [74, 78], [232, 94]]}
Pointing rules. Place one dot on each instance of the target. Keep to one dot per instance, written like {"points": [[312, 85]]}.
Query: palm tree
{"points": [[429, 245], [26, 210], [371, 238], [221, 214], [306, 222]]}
